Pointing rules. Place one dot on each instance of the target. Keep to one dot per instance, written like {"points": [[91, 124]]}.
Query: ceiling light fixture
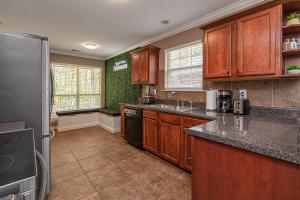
{"points": [[76, 50], [90, 46]]}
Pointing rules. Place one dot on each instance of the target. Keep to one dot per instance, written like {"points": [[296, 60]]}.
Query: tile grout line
{"points": [[84, 173]]}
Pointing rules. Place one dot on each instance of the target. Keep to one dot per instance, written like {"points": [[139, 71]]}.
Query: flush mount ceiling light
{"points": [[90, 46]]}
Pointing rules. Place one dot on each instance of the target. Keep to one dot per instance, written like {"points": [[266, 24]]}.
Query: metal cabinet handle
{"points": [[189, 158]]}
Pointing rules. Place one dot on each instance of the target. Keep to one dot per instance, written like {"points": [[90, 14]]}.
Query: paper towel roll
{"points": [[211, 100]]}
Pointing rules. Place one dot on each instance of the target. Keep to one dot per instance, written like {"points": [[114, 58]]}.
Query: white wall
{"points": [[77, 121]]}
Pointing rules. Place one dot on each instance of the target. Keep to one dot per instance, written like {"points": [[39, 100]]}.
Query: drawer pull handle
{"points": [[189, 158]]}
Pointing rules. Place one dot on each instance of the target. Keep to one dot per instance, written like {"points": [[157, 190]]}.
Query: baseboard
{"points": [[109, 129], [69, 128]]}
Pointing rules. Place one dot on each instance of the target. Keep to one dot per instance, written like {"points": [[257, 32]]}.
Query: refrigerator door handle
{"points": [[51, 89]]}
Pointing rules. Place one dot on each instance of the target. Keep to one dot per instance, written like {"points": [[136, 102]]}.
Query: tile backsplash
{"points": [[280, 93]]}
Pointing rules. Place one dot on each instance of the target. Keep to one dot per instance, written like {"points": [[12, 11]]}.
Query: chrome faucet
{"points": [[191, 104], [170, 95]]}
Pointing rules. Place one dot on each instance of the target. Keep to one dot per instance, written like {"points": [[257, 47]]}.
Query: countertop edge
{"points": [[273, 153], [270, 152]]}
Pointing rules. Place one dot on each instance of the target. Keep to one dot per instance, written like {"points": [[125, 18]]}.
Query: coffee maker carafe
{"points": [[224, 101]]}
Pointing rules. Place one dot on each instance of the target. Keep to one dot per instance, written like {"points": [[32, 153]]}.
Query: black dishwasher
{"points": [[134, 127]]}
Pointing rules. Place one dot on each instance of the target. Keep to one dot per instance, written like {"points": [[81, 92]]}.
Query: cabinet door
{"points": [[150, 135], [186, 141], [256, 43], [135, 68], [122, 122], [144, 76], [169, 137], [187, 152], [217, 51]]}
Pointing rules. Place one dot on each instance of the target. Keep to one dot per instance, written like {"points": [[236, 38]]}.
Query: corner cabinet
{"points": [[145, 65], [247, 46]]}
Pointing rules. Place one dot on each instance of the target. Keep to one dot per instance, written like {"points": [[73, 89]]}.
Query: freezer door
{"points": [[21, 82]]}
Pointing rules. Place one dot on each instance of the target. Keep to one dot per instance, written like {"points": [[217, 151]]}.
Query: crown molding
{"points": [[81, 55], [211, 17]]}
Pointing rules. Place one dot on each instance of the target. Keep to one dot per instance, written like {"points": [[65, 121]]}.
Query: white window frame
{"points": [[166, 69], [101, 92]]}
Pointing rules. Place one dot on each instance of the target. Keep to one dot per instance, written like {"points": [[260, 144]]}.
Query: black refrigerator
{"points": [[25, 86]]}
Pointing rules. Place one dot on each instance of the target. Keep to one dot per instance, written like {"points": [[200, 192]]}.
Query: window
{"points": [[183, 70], [76, 87]]}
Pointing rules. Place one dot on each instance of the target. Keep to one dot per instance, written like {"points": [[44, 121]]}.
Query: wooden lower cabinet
{"points": [[228, 173], [186, 141], [169, 140], [165, 135], [150, 135], [186, 155]]}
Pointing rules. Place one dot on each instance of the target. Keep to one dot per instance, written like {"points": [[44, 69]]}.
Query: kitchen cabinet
{"points": [[186, 141], [217, 51], [224, 172], [145, 65], [244, 46], [169, 140], [165, 135], [150, 135], [122, 111], [256, 43], [135, 68]]}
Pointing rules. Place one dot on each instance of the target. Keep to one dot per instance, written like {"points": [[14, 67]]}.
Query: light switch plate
{"points": [[243, 94]]}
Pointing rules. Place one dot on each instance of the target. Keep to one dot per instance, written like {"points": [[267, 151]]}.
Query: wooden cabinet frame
{"points": [[176, 150], [241, 68], [145, 65]]}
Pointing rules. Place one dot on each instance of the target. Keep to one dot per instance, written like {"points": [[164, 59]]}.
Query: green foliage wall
{"points": [[118, 87]]}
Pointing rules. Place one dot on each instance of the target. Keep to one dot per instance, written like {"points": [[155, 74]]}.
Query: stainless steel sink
{"points": [[170, 107]]}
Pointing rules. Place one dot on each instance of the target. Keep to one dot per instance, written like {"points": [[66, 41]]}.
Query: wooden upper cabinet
{"points": [[256, 43], [145, 65], [135, 68], [144, 76], [247, 45], [217, 51], [169, 139]]}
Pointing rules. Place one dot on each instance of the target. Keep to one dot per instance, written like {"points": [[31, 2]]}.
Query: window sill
{"points": [[100, 110], [183, 90], [74, 112]]}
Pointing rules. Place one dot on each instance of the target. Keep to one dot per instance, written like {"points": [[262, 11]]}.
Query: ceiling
{"points": [[114, 25]]}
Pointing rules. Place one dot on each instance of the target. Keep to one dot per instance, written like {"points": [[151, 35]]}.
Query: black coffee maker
{"points": [[224, 101]]}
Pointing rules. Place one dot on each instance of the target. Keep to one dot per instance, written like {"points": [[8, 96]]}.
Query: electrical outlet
{"points": [[243, 94]]}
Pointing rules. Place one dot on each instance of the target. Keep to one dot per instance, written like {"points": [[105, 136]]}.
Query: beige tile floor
{"points": [[92, 164]]}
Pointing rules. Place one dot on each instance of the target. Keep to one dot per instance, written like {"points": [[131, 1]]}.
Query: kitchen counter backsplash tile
{"points": [[267, 131], [282, 93], [255, 110]]}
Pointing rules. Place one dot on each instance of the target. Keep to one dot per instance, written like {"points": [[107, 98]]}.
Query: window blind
{"points": [[76, 88], [183, 68]]}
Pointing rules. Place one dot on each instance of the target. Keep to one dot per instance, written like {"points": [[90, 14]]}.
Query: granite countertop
{"points": [[276, 137]]}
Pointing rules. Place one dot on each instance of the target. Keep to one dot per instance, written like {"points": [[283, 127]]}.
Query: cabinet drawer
{"points": [[190, 122], [150, 114], [169, 118]]}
